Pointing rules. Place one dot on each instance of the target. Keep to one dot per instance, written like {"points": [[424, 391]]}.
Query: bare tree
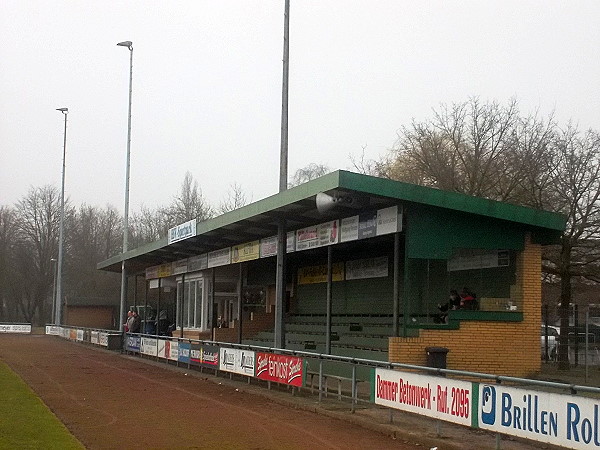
{"points": [[189, 204], [94, 233], [575, 183], [8, 234], [38, 216], [369, 166], [467, 147], [491, 151], [308, 173], [236, 198], [149, 225]]}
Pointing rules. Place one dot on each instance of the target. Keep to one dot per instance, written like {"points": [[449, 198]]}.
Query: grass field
{"points": [[25, 421]]}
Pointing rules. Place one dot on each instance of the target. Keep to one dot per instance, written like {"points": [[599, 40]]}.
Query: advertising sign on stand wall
{"points": [[437, 397], [237, 361], [280, 368], [184, 352], [566, 420]]}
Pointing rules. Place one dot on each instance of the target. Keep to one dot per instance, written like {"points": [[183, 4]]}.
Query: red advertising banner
{"points": [[279, 368]]}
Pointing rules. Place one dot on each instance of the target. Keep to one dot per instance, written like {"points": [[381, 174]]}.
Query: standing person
{"points": [[136, 322], [128, 321], [162, 324]]}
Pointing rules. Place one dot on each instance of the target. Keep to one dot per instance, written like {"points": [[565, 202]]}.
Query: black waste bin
{"points": [[436, 357]]}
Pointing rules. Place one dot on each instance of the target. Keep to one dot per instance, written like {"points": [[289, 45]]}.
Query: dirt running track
{"points": [[110, 401]]}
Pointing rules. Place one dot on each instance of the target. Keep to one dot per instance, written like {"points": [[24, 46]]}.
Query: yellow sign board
{"points": [[245, 252], [165, 270], [318, 274]]}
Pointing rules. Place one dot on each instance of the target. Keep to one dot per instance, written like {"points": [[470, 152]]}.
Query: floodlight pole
{"points": [[58, 311], [280, 288], [54, 270], [129, 46]]}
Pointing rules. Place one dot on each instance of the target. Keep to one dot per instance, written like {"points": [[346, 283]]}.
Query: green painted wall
{"points": [[368, 296], [434, 233]]}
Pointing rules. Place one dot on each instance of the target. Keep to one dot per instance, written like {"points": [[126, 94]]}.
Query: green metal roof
{"points": [[297, 206]]}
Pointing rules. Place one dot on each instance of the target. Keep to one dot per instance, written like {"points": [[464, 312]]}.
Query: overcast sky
{"points": [[207, 84]]}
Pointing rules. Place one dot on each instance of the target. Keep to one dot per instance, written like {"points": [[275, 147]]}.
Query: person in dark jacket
{"points": [[136, 323]]}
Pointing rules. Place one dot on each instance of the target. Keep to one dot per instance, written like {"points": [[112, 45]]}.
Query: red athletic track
{"points": [[111, 401]]}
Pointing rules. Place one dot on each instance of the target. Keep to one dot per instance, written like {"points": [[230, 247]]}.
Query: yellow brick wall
{"points": [[501, 348]]}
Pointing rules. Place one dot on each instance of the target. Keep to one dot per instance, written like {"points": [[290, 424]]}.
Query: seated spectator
{"points": [[452, 304], [468, 299]]}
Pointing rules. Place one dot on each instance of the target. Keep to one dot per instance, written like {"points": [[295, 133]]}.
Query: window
{"points": [[190, 293]]}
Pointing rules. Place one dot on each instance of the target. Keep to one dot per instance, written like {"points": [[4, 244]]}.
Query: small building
{"points": [[368, 263]]}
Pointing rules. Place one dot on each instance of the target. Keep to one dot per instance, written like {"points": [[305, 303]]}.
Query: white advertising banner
{"points": [[388, 221], [291, 241], [94, 337], [53, 330], [196, 263], [318, 235], [219, 257], [160, 348], [349, 229], [15, 328], [103, 339], [468, 259], [431, 396], [559, 419], [237, 361], [183, 231], [180, 266], [367, 268], [80, 335], [268, 247], [173, 350], [148, 346]]}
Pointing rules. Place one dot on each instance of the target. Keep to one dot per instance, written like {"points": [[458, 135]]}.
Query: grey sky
{"points": [[207, 84]]}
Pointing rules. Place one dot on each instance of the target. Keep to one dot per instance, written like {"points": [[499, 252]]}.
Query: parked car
{"points": [[553, 337]]}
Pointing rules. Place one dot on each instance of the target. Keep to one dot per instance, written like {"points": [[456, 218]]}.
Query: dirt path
{"points": [[110, 401]]}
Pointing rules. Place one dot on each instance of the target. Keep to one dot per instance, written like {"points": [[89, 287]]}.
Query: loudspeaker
{"points": [[326, 202]]}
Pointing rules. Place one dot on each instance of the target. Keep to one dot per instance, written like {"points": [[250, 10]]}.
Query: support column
{"points": [[157, 306], [211, 306], [329, 300], [396, 294], [181, 304], [280, 291], [147, 282], [239, 306]]}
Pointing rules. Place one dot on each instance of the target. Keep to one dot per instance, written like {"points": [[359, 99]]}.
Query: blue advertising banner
{"points": [[184, 352], [367, 225], [133, 344]]}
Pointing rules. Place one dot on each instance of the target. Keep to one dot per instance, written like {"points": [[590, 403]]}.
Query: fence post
{"points": [[353, 388], [320, 380]]}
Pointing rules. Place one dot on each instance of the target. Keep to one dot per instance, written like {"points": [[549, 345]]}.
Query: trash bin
{"points": [[436, 357]]}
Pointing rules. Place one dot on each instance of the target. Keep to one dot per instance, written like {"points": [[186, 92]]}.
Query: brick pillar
{"points": [[529, 282]]}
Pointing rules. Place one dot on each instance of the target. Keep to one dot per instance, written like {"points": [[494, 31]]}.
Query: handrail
{"points": [[572, 388]]}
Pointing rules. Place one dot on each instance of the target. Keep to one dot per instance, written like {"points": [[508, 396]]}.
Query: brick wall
{"points": [[91, 316], [258, 322], [501, 348]]}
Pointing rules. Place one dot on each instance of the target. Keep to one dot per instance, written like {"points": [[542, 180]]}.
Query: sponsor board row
{"points": [[265, 366], [15, 328], [559, 419], [363, 226], [74, 334]]}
